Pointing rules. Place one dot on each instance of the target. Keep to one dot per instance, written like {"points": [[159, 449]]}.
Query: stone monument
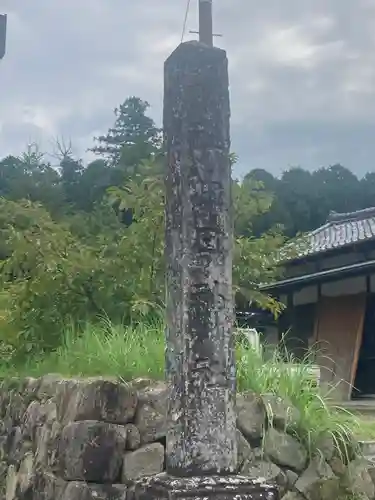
{"points": [[201, 439]]}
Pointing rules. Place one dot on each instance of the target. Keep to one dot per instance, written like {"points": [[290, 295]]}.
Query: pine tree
{"points": [[133, 138]]}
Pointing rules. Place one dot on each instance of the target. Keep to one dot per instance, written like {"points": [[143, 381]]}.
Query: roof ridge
{"points": [[334, 217], [340, 230]]}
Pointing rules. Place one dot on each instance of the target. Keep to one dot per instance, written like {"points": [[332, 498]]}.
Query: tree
{"points": [[45, 276], [277, 215], [367, 190], [250, 201], [302, 200], [30, 177], [80, 265], [133, 138], [338, 190], [53, 274], [78, 242], [143, 242], [263, 178], [96, 178], [255, 257], [297, 194]]}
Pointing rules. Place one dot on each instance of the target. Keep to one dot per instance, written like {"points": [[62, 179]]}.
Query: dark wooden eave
{"points": [[298, 282]]}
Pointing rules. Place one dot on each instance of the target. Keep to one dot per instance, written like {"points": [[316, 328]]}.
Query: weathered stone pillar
{"points": [[200, 354], [201, 456]]}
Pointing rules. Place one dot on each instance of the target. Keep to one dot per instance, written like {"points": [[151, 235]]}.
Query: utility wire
{"points": [[185, 20]]}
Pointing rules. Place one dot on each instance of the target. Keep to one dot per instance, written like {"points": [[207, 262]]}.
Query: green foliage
{"points": [[82, 266], [134, 136], [302, 200], [254, 259], [82, 242], [128, 352], [31, 177], [52, 275], [142, 244], [250, 199], [254, 263], [124, 352], [282, 374], [46, 277]]}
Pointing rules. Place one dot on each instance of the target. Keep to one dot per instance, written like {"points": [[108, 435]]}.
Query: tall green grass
{"points": [[125, 352], [283, 375], [128, 352]]}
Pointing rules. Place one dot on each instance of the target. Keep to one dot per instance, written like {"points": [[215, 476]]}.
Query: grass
{"points": [[366, 429], [138, 351], [105, 349], [281, 374]]}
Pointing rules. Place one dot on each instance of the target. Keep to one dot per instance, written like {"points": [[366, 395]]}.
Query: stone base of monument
{"points": [[234, 487]]}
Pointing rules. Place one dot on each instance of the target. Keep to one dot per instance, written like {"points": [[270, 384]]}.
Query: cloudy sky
{"points": [[302, 74]]}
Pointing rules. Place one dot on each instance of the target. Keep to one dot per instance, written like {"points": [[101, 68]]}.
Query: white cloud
{"points": [[302, 73]]}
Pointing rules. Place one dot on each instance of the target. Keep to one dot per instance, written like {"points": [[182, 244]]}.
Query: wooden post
{"points": [[3, 31], [205, 22]]}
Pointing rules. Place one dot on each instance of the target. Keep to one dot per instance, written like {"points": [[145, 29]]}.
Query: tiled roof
{"points": [[340, 230]]}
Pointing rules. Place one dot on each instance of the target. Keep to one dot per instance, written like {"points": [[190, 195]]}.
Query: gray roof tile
{"points": [[341, 229]]}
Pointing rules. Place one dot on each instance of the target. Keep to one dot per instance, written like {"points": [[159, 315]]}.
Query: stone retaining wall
{"points": [[91, 439]]}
